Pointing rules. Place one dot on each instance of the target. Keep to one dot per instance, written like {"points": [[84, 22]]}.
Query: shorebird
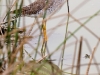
{"points": [[40, 8]]}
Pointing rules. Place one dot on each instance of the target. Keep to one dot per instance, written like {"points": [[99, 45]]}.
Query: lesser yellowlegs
{"points": [[40, 8]]}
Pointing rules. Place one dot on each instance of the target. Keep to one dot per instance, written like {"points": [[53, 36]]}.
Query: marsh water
{"points": [[81, 10]]}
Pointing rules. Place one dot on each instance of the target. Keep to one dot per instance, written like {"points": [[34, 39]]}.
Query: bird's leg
{"points": [[44, 31], [44, 38]]}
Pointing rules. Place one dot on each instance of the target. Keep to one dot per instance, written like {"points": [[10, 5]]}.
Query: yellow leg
{"points": [[43, 50], [44, 31]]}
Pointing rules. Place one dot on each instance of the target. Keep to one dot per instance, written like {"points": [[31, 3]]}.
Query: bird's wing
{"points": [[34, 8]]}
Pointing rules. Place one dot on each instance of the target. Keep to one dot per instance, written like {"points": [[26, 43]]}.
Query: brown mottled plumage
{"points": [[35, 7], [39, 7]]}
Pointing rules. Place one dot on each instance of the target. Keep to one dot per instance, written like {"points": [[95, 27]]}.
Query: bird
{"points": [[41, 9]]}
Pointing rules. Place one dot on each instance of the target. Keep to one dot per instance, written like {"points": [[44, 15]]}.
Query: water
{"points": [[80, 10]]}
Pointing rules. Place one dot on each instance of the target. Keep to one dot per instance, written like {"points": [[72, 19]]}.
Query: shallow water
{"points": [[78, 9]]}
